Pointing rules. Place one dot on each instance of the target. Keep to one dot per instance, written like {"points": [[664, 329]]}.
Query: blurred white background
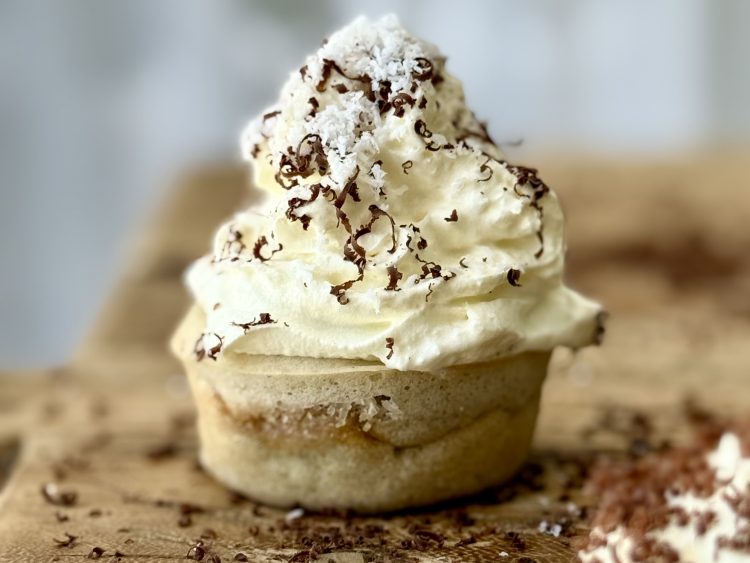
{"points": [[102, 103]]}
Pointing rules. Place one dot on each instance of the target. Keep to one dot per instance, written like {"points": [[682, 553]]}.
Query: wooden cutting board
{"points": [[97, 459]]}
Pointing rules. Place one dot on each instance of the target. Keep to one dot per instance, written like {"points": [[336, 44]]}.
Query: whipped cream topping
{"points": [[710, 518], [390, 228]]}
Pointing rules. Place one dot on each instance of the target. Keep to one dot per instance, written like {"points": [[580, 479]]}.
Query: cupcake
{"points": [[374, 332]]}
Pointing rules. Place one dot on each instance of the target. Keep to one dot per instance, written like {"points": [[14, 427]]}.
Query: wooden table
{"points": [[666, 245]]}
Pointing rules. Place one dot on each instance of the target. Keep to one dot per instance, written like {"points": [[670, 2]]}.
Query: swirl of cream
{"points": [[391, 228]]}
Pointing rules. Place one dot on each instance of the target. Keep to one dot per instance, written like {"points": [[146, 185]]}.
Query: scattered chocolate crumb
{"points": [[95, 513], [600, 328], [240, 557], [516, 540], [197, 552], [389, 346], [185, 521], [54, 495], [162, 451], [453, 217], [514, 277], [69, 540], [466, 541], [95, 553]]}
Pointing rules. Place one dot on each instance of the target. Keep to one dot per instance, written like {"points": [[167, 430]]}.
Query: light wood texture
{"points": [[665, 245]]}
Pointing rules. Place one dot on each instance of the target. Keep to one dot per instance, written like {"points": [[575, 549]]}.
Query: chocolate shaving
{"points": [[399, 101], [393, 278], [406, 166], [486, 168], [462, 262], [340, 88], [424, 70], [303, 71], [389, 346], [453, 217], [259, 244], [270, 114], [95, 553], [376, 213], [69, 540], [297, 202], [514, 276], [234, 245], [328, 67], [429, 292], [339, 290], [263, 319], [240, 557], [296, 163], [54, 495], [200, 349], [313, 101]]}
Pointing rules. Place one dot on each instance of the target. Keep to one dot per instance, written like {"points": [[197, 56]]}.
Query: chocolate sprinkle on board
{"points": [[453, 217], [197, 552], [240, 557], [389, 346], [69, 540], [95, 553], [54, 495], [162, 451]]}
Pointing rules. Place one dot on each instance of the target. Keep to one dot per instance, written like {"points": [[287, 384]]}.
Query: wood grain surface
{"points": [[103, 450]]}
